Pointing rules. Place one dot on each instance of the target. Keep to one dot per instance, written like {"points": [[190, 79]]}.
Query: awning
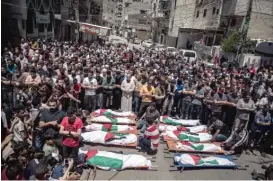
{"points": [[92, 29]]}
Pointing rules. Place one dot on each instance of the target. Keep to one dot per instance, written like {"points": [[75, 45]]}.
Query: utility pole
{"points": [[246, 25], [77, 17]]}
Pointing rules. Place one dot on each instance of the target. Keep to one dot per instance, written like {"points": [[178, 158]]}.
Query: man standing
{"points": [[90, 85], [99, 90], [147, 93], [127, 88], [260, 126], [117, 91], [108, 85], [49, 123], [71, 128]]}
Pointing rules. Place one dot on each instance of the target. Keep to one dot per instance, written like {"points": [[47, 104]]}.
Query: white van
{"points": [[188, 54]]}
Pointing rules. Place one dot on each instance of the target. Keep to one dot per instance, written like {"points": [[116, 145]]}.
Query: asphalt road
{"points": [[163, 172]]}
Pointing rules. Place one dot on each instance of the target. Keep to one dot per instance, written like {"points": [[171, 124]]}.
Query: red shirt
{"points": [[77, 88], [70, 141]]}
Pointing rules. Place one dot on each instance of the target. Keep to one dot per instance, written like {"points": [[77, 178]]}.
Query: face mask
{"points": [[53, 110]]}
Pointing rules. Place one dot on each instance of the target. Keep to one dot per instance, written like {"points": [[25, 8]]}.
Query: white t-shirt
{"points": [[87, 82], [19, 127]]}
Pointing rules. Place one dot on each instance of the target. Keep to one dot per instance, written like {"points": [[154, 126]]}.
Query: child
{"points": [[50, 146], [150, 140]]}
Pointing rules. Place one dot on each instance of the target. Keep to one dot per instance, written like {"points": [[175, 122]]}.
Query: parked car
{"points": [[158, 47], [147, 43], [188, 54], [172, 50], [117, 40], [137, 41]]}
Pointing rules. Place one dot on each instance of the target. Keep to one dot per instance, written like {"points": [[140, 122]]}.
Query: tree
{"points": [[230, 44]]}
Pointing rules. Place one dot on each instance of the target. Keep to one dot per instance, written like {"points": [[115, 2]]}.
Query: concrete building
{"points": [[160, 21], [210, 20], [90, 11], [28, 18], [128, 18]]}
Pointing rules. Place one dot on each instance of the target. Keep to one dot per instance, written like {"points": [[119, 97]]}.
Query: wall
{"points": [[210, 21], [261, 22], [181, 16], [171, 41]]}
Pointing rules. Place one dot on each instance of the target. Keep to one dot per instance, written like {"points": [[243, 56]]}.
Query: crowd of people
{"points": [[49, 88]]}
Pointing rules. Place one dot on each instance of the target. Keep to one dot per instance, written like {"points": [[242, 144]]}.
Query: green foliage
{"points": [[230, 43]]}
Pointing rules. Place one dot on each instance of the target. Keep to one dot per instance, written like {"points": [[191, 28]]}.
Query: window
{"points": [[214, 10], [143, 11], [217, 11], [142, 21], [197, 14], [205, 13]]}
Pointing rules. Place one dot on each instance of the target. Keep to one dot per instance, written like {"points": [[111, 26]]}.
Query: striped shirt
{"points": [[152, 134]]}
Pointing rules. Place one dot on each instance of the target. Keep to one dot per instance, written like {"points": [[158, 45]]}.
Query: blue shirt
{"points": [[260, 117]]}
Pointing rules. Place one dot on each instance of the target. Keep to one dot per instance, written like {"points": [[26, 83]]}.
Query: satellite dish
{"points": [[265, 49]]}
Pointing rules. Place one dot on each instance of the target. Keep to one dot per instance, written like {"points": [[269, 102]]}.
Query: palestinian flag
{"points": [[105, 119], [102, 127], [111, 113], [193, 146], [178, 122], [186, 136], [104, 160], [191, 159], [103, 112], [189, 146], [115, 136], [109, 160]]}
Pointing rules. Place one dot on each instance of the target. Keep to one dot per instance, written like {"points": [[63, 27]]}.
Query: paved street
{"points": [[164, 164]]}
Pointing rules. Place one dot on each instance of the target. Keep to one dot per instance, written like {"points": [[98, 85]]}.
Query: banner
{"points": [[42, 18], [93, 30]]}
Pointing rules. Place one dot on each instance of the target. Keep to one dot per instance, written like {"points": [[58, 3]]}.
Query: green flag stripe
{"points": [[104, 129], [114, 128], [103, 161], [190, 138], [212, 162], [197, 148], [170, 122], [113, 120]]}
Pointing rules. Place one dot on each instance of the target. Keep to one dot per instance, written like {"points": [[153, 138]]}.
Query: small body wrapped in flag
{"points": [[109, 138], [105, 119], [193, 129], [177, 122], [192, 137], [108, 160], [107, 127], [196, 160], [199, 147], [111, 113]]}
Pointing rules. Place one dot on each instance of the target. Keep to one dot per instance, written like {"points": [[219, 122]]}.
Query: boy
{"points": [[150, 140]]}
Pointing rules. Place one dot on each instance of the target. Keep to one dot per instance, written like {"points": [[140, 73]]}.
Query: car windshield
{"points": [[171, 49], [189, 54]]}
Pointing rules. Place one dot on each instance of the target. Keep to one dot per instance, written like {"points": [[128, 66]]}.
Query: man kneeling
{"points": [[150, 140]]}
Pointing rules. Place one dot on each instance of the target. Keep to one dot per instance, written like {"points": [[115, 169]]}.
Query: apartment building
{"points": [[160, 23], [128, 18], [28, 18], [210, 20]]}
